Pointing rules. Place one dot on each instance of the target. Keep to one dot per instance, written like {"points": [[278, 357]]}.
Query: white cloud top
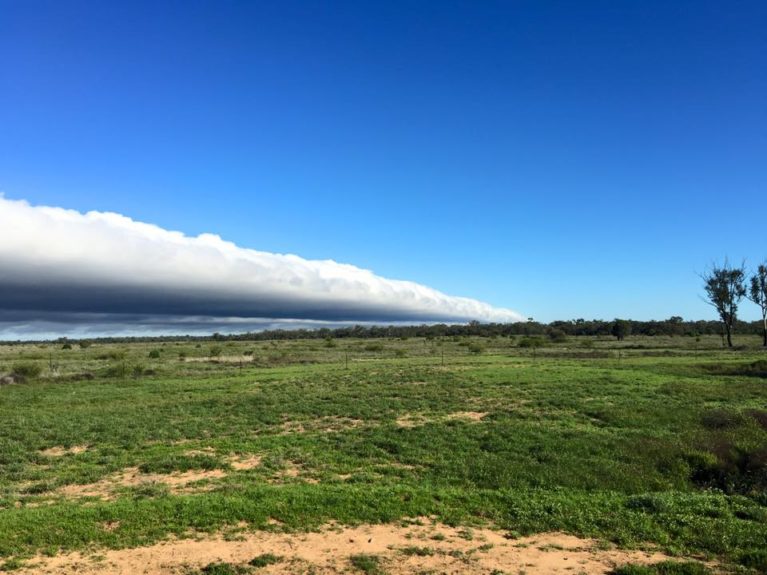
{"points": [[59, 260]]}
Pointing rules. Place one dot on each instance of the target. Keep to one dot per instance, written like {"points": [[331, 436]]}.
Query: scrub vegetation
{"points": [[639, 442]]}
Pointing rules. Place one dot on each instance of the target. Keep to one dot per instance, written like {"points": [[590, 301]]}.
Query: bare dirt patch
{"points": [[469, 415], [327, 424], [200, 451], [245, 463], [108, 487], [410, 420], [415, 548], [59, 451], [291, 471]]}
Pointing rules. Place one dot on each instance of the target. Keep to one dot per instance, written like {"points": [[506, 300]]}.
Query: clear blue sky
{"points": [[565, 159]]}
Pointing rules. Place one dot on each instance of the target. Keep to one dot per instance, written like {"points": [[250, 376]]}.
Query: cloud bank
{"points": [[57, 263]]}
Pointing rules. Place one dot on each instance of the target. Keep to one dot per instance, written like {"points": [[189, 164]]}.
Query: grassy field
{"points": [[649, 442]]}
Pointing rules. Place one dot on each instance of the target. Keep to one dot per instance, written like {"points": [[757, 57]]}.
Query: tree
{"points": [[621, 328], [725, 288], [757, 293]]}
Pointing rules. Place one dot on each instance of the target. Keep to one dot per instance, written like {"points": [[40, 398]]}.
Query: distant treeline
{"points": [[674, 326]]}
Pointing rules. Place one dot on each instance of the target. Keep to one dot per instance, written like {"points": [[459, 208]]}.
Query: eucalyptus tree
{"points": [[757, 293], [725, 287]]}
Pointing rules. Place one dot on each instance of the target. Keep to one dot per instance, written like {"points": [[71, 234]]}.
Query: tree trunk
{"points": [[764, 329], [729, 334]]}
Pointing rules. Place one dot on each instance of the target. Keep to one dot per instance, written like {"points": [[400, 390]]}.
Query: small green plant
{"points": [[215, 351], [532, 342], [417, 551], [476, 348], [154, 354], [264, 559], [222, 569], [370, 564]]}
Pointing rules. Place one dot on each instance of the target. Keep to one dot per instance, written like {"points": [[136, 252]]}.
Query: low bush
{"points": [[26, 370]]}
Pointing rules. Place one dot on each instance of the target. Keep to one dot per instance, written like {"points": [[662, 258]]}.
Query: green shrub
{"points": [[729, 467], [117, 370], [531, 342], [154, 354], [26, 370], [756, 560], [476, 348], [557, 335]]}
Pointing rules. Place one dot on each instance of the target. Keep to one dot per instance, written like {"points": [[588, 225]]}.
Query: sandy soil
{"points": [[415, 548]]}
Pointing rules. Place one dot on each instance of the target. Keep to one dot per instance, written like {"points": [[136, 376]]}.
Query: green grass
{"points": [[664, 444], [664, 568]]}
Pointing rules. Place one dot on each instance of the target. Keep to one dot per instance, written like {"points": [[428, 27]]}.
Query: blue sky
{"points": [[562, 159]]}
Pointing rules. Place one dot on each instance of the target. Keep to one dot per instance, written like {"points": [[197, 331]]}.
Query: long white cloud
{"points": [[59, 260]]}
